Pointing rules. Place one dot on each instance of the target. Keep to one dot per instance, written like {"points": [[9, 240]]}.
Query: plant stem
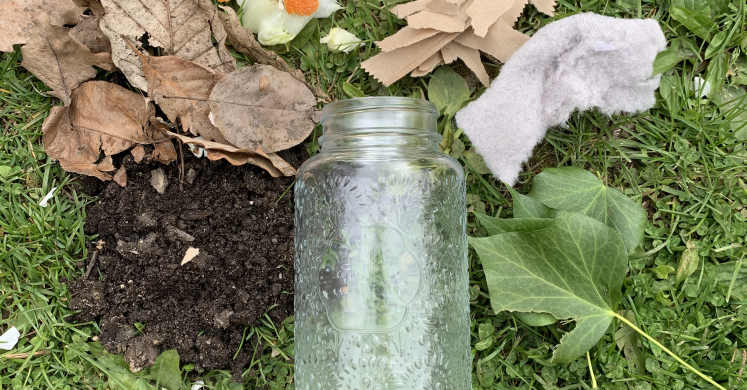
{"points": [[658, 344], [591, 371]]}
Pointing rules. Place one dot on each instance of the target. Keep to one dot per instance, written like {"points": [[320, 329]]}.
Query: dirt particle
{"points": [[159, 181]]}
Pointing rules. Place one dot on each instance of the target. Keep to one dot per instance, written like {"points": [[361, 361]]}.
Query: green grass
{"points": [[685, 161]]}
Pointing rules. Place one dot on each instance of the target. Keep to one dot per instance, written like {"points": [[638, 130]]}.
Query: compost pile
{"points": [[240, 219]]}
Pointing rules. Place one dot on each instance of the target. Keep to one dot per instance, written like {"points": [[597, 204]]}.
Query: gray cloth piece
{"points": [[580, 62]]}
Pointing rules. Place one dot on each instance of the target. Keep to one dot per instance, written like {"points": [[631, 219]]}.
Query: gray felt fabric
{"points": [[580, 62]]}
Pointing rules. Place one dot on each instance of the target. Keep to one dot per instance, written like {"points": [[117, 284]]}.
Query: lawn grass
{"points": [[685, 161]]}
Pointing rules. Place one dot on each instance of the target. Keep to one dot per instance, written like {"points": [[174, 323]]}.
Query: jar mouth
{"points": [[376, 103]]}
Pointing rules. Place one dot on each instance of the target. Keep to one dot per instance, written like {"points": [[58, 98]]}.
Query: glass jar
{"points": [[381, 293]]}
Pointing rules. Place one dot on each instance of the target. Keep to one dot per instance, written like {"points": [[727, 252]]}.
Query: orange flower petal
{"points": [[301, 7]]}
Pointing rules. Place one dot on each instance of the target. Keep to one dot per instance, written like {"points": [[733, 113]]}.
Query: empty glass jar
{"points": [[381, 254]]}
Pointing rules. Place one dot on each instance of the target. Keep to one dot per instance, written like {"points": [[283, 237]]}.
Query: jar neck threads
{"points": [[379, 122]]}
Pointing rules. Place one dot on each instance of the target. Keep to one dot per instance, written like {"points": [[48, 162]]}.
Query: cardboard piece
{"points": [[391, 66], [484, 13], [442, 31]]}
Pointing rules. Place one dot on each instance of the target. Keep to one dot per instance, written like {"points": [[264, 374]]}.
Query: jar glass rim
{"points": [[348, 106]]}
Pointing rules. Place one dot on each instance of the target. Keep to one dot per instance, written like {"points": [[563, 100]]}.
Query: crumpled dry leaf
{"points": [[57, 60], [17, 18], [243, 41], [121, 176], [89, 34], [94, 5], [440, 31], [138, 153], [102, 117], [250, 118], [270, 162], [181, 89], [181, 27]]}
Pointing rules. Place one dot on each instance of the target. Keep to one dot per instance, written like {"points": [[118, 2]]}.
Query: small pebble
{"points": [[158, 180]]}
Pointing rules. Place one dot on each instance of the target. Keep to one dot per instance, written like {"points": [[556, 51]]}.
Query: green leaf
{"points": [[536, 319], [717, 44], [717, 71], [667, 59], [629, 342], [484, 344], [695, 15], [526, 207], [689, 262], [447, 90], [352, 91], [476, 162], [668, 88], [457, 148], [165, 370], [6, 171], [499, 225], [485, 330], [120, 377], [305, 35], [579, 191], [663, 271], [732, 102], [573, 269]]}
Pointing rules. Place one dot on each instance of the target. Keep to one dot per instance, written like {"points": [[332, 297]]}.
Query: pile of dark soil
{"points": [[244, 267]]}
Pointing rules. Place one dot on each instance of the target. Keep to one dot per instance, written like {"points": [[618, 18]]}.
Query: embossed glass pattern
{"points": [[381, 254]]}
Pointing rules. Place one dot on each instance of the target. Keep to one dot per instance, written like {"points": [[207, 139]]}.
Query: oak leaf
{"points": [[273, 119], [17, 18], [94, 5], [181, 28]]}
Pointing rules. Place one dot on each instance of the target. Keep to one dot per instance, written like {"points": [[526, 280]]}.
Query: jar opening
{"points": [[350, 106]]}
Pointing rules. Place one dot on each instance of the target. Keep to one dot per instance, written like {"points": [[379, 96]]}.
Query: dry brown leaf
{"points": [[17, 18], [484, 13], [76, 149], [243, 41], [181, 89], [164, 152], [389, 67], [189, 255], [121, 176], [102, 118], [181, 27], [57, 60], [94, 5], [89, 34], [114, 111], [272, 163], [276, 119], [138, 153]]}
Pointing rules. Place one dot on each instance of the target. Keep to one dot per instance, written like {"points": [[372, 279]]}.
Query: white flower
{"points": [[701, 86], [9, 339], [278, 22], [45, 200], [198, 385], [340, 39]]}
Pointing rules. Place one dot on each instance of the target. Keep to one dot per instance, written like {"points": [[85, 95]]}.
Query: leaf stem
{"points": [[658, 344], [591, 371]]}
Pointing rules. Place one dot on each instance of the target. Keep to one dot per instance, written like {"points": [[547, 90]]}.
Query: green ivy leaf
{"points": [[447, 90], [499, 225], [165, 370], [579, 191], [536, 319], [526, 207], [573, 269]]}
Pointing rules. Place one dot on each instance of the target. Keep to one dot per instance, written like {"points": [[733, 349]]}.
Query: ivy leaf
{"points": [[166, 371], [579, 191], [447, 90], [536, 319], [573, 269], [526, 207], [499, 225]]}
